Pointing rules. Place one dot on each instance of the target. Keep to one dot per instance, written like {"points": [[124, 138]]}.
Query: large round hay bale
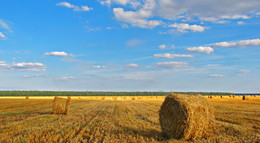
{"points": [[186, 117]]}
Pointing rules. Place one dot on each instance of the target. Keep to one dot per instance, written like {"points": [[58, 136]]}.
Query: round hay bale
{"points": [[244, 97], [186, 117]]}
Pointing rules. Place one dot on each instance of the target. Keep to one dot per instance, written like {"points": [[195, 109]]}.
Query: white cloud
{"points": [[216, 75], [74, 7], [171, 56], [200, 49], [172, 46], [240, 44], [132, 3], [217, 11], [33, 76], [237, 16], [171, 64], [184, 27], [244, 71], [140, 17], [224, 44], [3, 25], [162, 46], [34, 67], [61, 54], [132, 65], [3, 64], [65, 78], [97, 67], [2, 36]]}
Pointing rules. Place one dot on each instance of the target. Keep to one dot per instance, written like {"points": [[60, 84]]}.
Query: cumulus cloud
{"points": [[200, 49], [216, 75], [162, 46], [171, 56], [61, 54], [2, 36], [74, 7], [213, 11], [171, 64], [184, 27], [239, 44], [132, 65], [139, 18], [65, 78], [34, 67]]}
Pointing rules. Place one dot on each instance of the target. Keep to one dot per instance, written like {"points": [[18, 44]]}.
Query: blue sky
{"points": [[130, 45]]}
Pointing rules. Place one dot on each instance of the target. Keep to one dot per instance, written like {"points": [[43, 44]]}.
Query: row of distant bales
{"points": [[149, 97], [243, 96]]}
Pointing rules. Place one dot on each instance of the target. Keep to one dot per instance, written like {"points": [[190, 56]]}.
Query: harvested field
{"points": [[117, 120]]}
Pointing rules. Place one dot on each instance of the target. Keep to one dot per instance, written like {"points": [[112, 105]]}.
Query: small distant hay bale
{"points": [[27, 97], [244, 97], [186, 117], [133, 98], [114, 98], [61, 105], [220, 96], [233, 96]]}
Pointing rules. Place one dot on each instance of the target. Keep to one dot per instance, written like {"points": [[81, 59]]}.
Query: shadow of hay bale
{"points": [[186, 117], [148, 133]]}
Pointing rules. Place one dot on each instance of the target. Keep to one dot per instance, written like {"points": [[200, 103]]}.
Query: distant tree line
{"points": [[98, 93]]}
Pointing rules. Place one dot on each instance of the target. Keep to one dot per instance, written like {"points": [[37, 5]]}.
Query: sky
{"points": [[130, 45]]}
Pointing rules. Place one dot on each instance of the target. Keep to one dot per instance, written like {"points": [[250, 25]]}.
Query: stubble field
{"points": [[110, 120]]}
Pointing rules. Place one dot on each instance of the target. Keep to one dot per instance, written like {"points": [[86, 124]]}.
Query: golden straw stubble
{"points": [[186, 117]]}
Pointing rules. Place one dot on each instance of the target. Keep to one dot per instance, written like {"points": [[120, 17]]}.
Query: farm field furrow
{"points": [[118, 121]]}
